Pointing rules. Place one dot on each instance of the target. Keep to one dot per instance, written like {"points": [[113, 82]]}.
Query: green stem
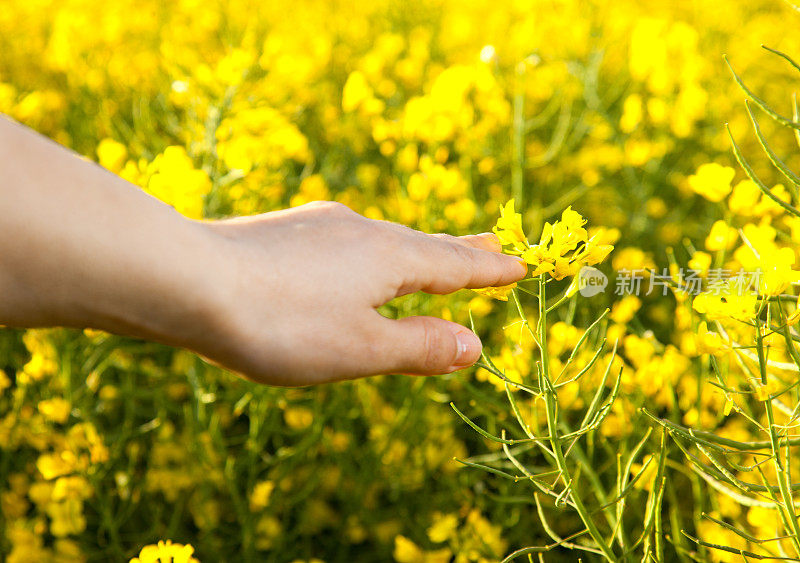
{"points": [[551, 402], [780, 471]]}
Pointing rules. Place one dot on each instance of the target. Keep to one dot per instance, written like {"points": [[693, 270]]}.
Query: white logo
{"points": [[591, 281]]}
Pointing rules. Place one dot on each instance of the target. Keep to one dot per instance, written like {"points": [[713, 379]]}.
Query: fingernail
{"points": [[469, 349]]}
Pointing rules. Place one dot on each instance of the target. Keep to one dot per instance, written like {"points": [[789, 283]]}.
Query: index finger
{"points": [[439, 265], [482, 241]]}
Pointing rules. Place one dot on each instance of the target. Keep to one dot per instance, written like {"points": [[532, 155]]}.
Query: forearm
{"points": [[81, 247]]}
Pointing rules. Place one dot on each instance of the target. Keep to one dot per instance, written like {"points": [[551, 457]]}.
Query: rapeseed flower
{"points": [[729, 300], [55, 409], [558, 240], [500, 292], [176, 181], [720, 237], [712, 181], [564, 246], [744, 198], [165, 552], [708, 342], [509, 229]]}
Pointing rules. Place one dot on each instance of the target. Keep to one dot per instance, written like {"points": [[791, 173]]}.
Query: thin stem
{"points": [[551, 407]]}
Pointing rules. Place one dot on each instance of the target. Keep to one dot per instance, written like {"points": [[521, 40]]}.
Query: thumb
{"points": [[427, 346]]}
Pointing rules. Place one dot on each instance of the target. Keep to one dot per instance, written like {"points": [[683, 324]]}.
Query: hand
{"points": [[300, 288], [287, 298]]}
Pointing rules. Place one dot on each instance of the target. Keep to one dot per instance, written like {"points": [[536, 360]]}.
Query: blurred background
{"points": [[428, 113]]}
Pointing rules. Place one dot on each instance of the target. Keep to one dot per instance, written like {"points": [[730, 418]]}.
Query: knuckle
{"points": [[499, 267], [402, 232], [484, 241], [331, 207], [438, 354], [444, 237], [466, 259], [462, 252]]}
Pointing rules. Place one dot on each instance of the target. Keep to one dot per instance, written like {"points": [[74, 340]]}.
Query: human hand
{"points": [[299, 290], [287, 298]]}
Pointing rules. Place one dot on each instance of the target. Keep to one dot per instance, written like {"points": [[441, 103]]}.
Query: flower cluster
{"points": [[564, 247]]}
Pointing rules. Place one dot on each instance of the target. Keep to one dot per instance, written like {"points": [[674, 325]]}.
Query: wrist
{"points": [[158, 285], [175, 297]]}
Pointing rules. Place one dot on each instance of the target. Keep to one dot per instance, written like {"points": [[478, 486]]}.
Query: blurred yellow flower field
{"points": [[638, 395]]}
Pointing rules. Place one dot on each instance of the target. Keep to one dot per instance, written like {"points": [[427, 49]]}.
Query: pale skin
{"points": [[284, 298]]}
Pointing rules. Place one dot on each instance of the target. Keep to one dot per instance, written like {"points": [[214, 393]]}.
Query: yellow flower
{"points": [[356, 92], [624, 309], [267, 529], [763, 519], [408, 158], [66, 518], [720, 237], [298, 418], [68, 551], [763, 392], [500, 293], [165, 552], [177, 182], [568, 232], [480, 306], [312, 188], [41, 492], [727, 301], [700, 262], [744, 198], [112, 155], [594, 253], [565, 267], [769, 207], [713, 532], [776, 272], [534, 258], [444, 526], [647, 478], [509, 228], [712, 181], [708, 342], [461, 213], [406, 551], [631, 113], [552, 254], [55, 465], [56, 409], [261, 494], [726, 410], [5, 382], [761, 255], [73, 486]]}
